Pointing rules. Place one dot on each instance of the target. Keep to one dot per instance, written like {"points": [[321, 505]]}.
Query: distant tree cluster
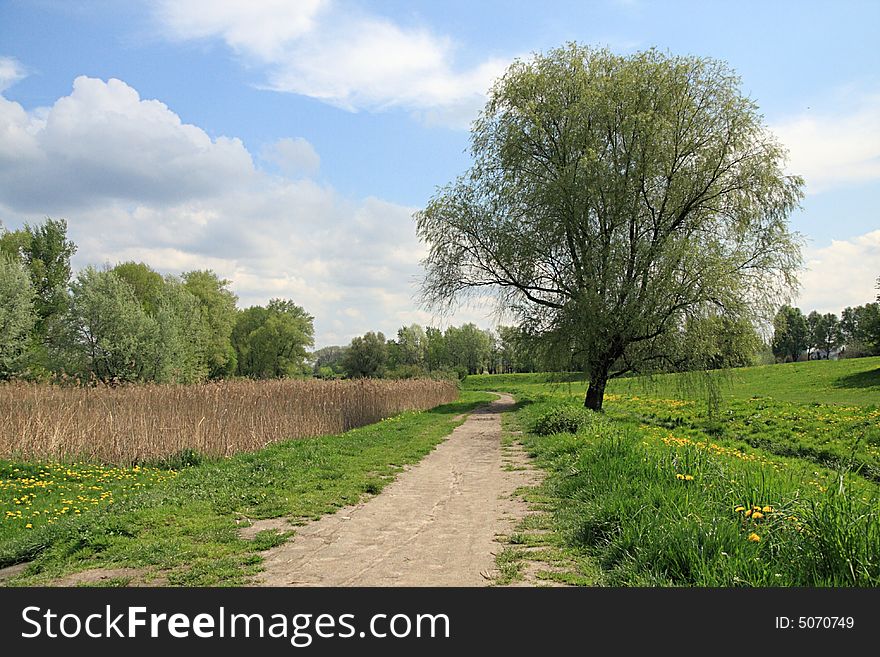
{"points": [[417, 351], [128, 323], [856, 333]]}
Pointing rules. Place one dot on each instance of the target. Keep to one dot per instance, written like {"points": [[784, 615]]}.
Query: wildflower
{"points": [[768, 509], [29, 526], [757, 515], [754, 538], [688, 477], [748, 513], [679, 476], [739, 509]]}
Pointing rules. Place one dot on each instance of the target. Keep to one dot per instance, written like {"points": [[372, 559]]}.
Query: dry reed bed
{"points": [[142, 423]]}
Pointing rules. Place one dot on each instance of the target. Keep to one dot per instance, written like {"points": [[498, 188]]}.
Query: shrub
{"points": [[561, 419]]}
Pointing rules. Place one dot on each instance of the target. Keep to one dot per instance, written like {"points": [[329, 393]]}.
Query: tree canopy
{"points": [[610, 199]]}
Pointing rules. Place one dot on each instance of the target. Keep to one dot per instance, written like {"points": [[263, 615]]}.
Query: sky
{"points": [[286, 144]]}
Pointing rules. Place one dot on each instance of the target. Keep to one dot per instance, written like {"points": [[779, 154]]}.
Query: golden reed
{"points": [[140, 423]]}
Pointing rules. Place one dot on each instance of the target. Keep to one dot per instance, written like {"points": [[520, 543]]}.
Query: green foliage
{"points": [[218, 317], [367, 356], [327, 362], [468, 347], [109, 335], [271, 342], [860, 329], [17, 316], [563, 418], [790, 333], [610, 199], [180, 335], [46, 253], [411, 345], [146, 283]]}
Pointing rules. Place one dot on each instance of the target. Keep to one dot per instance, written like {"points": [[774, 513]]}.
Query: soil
{"points": [[437, 524]]}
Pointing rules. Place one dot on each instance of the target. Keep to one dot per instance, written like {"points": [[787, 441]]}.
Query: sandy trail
{"points": [[436, 525]]}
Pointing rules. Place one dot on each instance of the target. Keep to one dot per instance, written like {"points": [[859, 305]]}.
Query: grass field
{"points": [[774, 484], [181, 527]]}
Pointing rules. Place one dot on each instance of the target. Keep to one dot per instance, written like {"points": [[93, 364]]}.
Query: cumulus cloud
{"points": [[841, 274], [294, 157], [834, 149], [104, 142], [342, 56], [11, 71], [136, 183]]}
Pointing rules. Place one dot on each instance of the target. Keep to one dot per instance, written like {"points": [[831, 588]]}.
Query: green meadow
{"points": [[764, 476]]}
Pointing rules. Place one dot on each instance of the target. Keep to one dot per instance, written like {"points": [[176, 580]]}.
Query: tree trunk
{"points": [[596, 390]]}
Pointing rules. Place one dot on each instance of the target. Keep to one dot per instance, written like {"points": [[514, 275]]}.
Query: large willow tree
{"points": [[613, 199]]}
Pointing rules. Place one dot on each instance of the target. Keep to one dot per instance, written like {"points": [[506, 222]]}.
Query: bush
{"points": [[562, 419]]}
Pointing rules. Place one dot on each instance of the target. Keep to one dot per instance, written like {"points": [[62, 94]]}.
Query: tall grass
{"points": [[147, 423], [655, 509]]}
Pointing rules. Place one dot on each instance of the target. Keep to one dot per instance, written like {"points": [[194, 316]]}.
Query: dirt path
{"points": [[435, 525]]}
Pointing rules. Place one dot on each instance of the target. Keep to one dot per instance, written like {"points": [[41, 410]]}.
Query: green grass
{"points": [[183, 528], [813, 410], [657, 509], [848, 382], [651, 489]]}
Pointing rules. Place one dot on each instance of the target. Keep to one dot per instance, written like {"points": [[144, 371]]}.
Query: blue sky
{"points": [[286, 144]]}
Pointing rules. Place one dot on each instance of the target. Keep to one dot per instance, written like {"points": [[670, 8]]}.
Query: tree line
{"points": [[418, 351], [856, 333], [128, 323]]}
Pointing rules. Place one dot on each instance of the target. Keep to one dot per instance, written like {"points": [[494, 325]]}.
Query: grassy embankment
{"points": [[181, 526], [776, 485]]}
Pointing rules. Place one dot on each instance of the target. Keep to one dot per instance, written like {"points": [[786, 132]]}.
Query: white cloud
{"points": [[343, 57], [11, 71], [262, 29], [136, 183], [103, 142], [842, 274], [295, 157], [832, 150]]}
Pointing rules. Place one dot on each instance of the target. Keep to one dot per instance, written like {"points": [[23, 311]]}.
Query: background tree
{"points": [[181, 355], [611, 198], [17, 316], [110, 336], [366, 356], [46, 254], [468, 347], [411, 344], [435, 349], [815, 332], [828, 335], [790, 334], [327, 362], [218, 316], [146, 283], [272, 342]]}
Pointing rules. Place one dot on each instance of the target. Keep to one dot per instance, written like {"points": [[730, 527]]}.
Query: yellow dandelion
{"points": [[748, 513], [29, 526], [739, 509], [754, 538], [768, 509], [688, 477], [757, 515]]}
